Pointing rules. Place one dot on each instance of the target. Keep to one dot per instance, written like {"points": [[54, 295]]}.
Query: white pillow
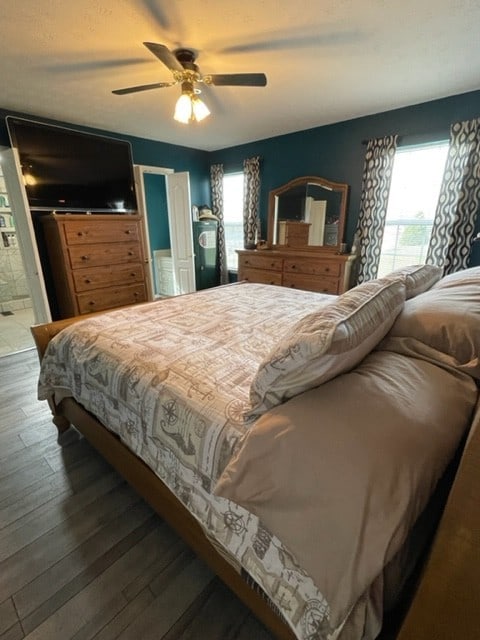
{"points": [[326, 343]]}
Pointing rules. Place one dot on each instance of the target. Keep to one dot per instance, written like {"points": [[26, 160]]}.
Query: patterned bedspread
{"points": [[172, 379]]}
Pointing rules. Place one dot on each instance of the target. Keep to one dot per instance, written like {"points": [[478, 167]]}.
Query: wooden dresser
{"points": [[325, 272], [97, 261]]}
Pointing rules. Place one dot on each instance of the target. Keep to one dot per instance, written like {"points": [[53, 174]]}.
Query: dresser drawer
{"points": [[262, 277], [103, 255], [111, 297], [261, 262], [89, 231], [97, 277], [311, 283], [312, 267]]}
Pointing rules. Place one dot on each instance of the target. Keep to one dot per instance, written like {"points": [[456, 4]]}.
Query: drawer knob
{"points": [[84, 257], [133, 274], [80, 233], [272, 264], [130, 253], [292, 286], [294, 266], [92, 303], [87, 280], [327, 269], [128, 231], [247, 261]]}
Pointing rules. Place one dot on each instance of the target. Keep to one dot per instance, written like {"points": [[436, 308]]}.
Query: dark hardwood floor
{"points": [[81, 555]]}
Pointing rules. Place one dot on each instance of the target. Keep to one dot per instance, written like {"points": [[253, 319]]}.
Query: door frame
{"points": [[139, 170], [25, 234], [178, 210]]}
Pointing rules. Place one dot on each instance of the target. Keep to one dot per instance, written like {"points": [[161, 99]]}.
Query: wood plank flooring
{"points": [[81, 555]]}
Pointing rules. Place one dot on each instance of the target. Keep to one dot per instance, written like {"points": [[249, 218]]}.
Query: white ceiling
{"points": [[325, 61]]}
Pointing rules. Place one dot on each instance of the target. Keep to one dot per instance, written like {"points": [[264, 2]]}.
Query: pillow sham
{"points": [[418, 278], [459, 278], [326, 343], [441, 325]]}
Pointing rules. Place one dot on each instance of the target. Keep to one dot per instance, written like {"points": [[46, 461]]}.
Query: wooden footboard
{"points": [[43, 333], [154, 491], [447, 603]]}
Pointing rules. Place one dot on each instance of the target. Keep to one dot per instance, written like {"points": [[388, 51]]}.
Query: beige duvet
{"points": [[341, 472]]}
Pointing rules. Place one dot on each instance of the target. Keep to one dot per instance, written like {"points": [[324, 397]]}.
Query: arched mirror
{"points": [[308, 213]]}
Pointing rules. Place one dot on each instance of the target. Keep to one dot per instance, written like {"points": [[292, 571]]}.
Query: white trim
{"points": [[25, 234]]}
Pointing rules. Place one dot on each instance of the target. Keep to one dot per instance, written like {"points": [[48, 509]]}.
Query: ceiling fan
{"points": [[181, 63]]}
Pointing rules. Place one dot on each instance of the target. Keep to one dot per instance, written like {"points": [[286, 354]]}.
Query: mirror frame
{"points": [[339, 187]]}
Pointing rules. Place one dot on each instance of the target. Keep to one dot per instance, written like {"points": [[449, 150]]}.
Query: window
{"points": [[416, 180], [233, 217]]}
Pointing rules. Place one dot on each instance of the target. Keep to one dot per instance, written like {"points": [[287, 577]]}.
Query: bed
{"points": [[185, 397]]}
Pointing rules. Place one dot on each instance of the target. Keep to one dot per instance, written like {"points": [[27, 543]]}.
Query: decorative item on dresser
{"points": [[97, 261], [306, 222]]}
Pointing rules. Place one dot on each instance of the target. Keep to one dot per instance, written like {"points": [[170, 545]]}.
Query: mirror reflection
{"points": [[309, 213]]}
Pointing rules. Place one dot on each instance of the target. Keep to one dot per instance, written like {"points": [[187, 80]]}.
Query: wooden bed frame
{"points": [[446, 604], [153, 490]]}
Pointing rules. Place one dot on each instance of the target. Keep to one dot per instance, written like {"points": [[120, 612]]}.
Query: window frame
{"points": [[411, 222]]}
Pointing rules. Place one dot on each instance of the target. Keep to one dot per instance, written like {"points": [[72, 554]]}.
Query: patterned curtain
{"points": [[459, 200], [251, 196], [377, 176], [216, 186]]}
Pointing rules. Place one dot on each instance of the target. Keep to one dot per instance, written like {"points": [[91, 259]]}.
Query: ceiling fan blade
{"points": [[143, 87], [237, 79], [164, 54]]}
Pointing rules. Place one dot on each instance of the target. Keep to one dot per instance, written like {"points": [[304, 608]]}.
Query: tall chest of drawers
{"points": [[97, 262], [326, 273]]}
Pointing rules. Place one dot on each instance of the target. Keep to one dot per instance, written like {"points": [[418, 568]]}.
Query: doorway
{"points": [[16, 309], [164, 201]]}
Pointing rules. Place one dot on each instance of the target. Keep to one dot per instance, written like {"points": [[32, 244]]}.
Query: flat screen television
{"points": [[70, 171]]}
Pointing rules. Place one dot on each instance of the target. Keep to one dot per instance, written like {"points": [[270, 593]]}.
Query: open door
{"points": [[181, 236], [179, 224]]}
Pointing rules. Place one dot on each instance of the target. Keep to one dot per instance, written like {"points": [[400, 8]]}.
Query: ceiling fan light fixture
{"points": [[28, 178], [183, 109], [190, 108], [181, 62], [200, 109]]}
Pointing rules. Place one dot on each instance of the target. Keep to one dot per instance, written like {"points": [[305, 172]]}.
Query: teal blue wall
{"points": [[156, 197], [336, 151]]}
